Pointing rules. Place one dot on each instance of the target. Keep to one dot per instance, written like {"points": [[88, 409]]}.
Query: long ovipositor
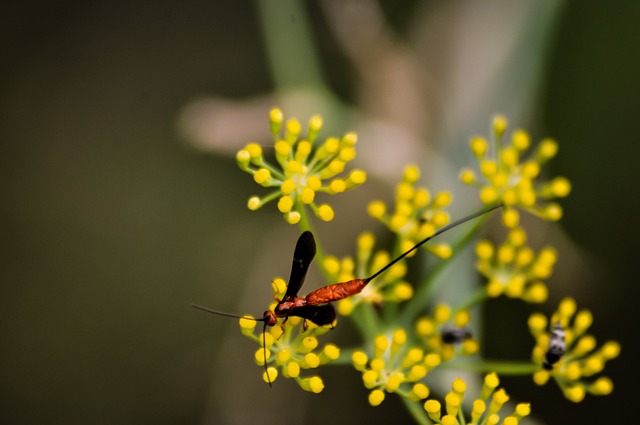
{"points": [[316, 306]]}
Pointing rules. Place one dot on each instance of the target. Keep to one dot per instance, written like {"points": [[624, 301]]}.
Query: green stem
{"points": [[423, 295], [416, 411], [500, 367], [290, 45], [390, 312], [275, 173], [304, 223], [270, 197], [479, 296], [365, 318], [425, 291]]}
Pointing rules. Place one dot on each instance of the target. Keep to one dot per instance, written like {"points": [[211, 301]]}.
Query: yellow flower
{"points": [[568, 354], [288, 348], [514, 269], [304, 167], [505, 177], [418, 214], [484, 410], [396, 367]]}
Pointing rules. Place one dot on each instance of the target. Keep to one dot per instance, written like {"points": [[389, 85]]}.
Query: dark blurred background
{"points": [[122, 203]]}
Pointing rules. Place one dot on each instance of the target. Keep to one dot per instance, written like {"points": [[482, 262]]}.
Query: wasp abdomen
{"points": [[336, 292]]}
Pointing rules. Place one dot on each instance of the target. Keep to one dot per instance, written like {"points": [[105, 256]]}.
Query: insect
{"points": [[455, 335], [316, 306], [557, 347]]}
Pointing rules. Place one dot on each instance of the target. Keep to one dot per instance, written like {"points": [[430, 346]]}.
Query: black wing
{"points": [[302, 256], [319, 314]]}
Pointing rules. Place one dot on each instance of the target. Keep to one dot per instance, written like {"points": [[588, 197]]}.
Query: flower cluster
{"points": [[506, 178], [291, 346], [395, 367], [390, 286], [399, 365], [401, 361], [418, 214], [447, 336], [579, 360], [514, 269], [303, 168], [485, 409]]}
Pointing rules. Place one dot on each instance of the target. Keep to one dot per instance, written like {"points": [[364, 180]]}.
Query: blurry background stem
{"points": [[295, 65], [292, 54]]}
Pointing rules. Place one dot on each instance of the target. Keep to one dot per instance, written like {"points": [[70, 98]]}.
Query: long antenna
{"points": [[237, 316], [222, 313], [439, 232], [264, 351]]}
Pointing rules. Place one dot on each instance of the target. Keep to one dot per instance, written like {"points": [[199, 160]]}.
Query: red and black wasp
{"points": [[316, 306]]}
